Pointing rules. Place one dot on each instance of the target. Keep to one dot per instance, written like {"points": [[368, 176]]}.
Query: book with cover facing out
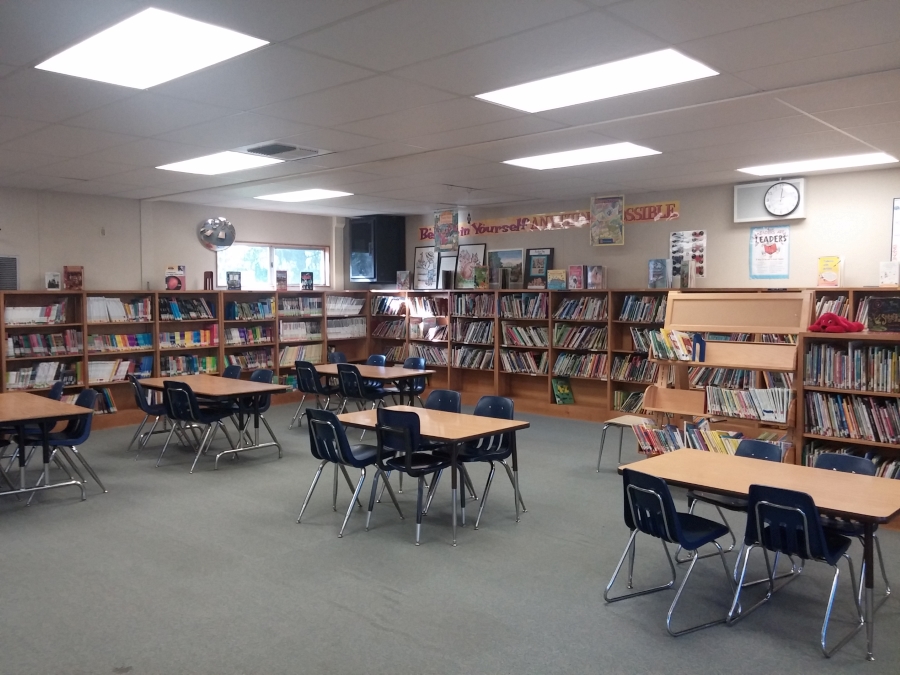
{"points": [[280, 280], [595, 277], [659, 272], [577, 275], [562, 391], [233, 280], [73, 277], [830, 267], [556, 280], [481, 276], [889, 274], [175, 278], [306, 281], [403, 280]]}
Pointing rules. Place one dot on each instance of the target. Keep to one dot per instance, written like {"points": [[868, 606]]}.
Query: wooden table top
{"points": [[441, 426], [866, 498], [25, 407], [216, 386], [376, 372]]}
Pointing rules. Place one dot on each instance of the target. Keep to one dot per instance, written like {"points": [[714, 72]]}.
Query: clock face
{"points": [[782, 199], [216, 234]]}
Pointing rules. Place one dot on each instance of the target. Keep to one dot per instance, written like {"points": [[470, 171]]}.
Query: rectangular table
{"points": [[383, 373], [453, 429], [228, 389], [19, 409], [869, 500]]}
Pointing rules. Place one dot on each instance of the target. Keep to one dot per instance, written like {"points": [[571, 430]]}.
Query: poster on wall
{"points": [[538, 262], [446, 230], [688, 248], [895, 231], [425, 270], [470, 257], [512, 259], [770, 252], [607, 221]]}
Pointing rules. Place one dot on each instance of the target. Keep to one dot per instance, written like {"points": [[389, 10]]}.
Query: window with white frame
{"points": [[258, 263]]}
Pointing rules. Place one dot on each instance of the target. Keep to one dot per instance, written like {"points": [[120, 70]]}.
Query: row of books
{"points": [[300, 306], [113, 310], [119, 369], [472, 332], [764, 405], [634, 368], [188, 364], [105, 402], [862, 312], [292, 353], [300, 330], [391, 329], [515, 335], [728, 337], [388, 304], [844, 416], [428, 329], [428, 306], [699, 436], [838, 304], [474, 304], [185, 309], [468, 357], [39, 344], [99, 343], [853, 365], [581, 365], [569, 336], [671, 345], [250, 360], [524, 306], [346, 328], [731, 378], [189, 338], [582, 309], [640, 338], [249, 336], [44, 314], [885, 467], [644, 308], [778, 338], [434, 356], [44, 375], [628, 401], [344, 305], [395, 354], [261, 310], [653, 440], [532, 363]]}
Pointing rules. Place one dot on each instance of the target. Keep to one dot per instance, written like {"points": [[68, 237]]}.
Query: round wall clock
{"points": [[216, 234], [782, 199]]}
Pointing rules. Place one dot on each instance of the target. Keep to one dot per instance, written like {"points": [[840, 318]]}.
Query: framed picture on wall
{"points": [[446, 270], [425, 268], [469, 257], [512, 259], [537, 262]]}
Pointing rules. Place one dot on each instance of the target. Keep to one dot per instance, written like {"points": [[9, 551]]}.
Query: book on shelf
{"points": [[628, 401], [470, 357], [250, 360], [402, 280], [306, 281], [346, 328], [100, 309], [762, 405], [233, 281], [659, 273], [556, 280], [303, 305], [175, 279], [700, 377], [300, 330], [515, 335], [473, 332], [654, 440], [474, 305], [434, 356], [52, 281], [391, 305], [185, 309], [641, 340], [344, 305], [292, 353], [852, 365], [530, 363], [249, 336], [255, 310], [44, 344], [105, 404], [105, 342], [73, 277], [208, 337], [644, 308], [671, 345], [829, 272], [884, 314], [860, 417], [428, 329], [562, 391], [281, 277], [524, 306], [886, 466], [582, 309], [119, 369], [391, 329], [633, 368], [838, 304], [581, 365], [187, 364], [43, 375], [595, 277], [44, 314], [426, 306], [889, 274], [575, 336], [577, 276]]}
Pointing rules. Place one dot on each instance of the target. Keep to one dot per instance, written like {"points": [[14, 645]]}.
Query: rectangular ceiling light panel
{"points": [[150, 48], [594, 155], [824, 164], [305, 195], [639, 73], [220, 162]]}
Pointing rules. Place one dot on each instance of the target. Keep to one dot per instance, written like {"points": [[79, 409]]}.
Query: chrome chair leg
{"points": [[272, 434], [834, 584], [602, 441], [89, 468], [484, 495], [334, 489], [629, 551], [432, 489], [349, 482], [311, 488], [354, 500], [694, 558], [862, 574], [61, 465], [465, 473], [138, 432], [209, 431], [419, 495], [145, 438], [512, 481], [297, 414], [387, 484]]}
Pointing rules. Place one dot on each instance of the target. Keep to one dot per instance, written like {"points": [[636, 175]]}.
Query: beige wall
{"points": [[847, 214]]}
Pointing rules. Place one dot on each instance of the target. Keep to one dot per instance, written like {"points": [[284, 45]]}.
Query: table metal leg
{"points": [[515, 466], [454, 477], [868, 558]]}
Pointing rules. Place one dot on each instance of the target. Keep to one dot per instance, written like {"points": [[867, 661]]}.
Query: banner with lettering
{"points": [[537, 223], [658, 211]]}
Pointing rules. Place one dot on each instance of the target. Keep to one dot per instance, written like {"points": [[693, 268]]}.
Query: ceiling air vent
{"points": [[9, 272], [282, 151]]}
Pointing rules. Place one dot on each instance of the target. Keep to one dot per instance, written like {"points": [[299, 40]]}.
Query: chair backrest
{"points": [[78, 429], [649, 506], [839, 461], [56, 391], [785, 521], [327, 437], [417, 384], [140, 397], [398, 433], [263, 375], [756, 449], [337, 357], [180, 401], [350, 381], [498, 407], [233, 372], [443, 399], [376, 360], [307, 378]]}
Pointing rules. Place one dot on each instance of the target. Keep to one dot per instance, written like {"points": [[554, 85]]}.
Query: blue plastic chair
{"points": [[446, 400], [788, 522], [650, 509], [353, 388], [309, 382], [399, 449], [185, 410], [837, 461], [375, 385], [232, 372], [328, 444], [410, 388], [247, 405], [55, 393], [155, 410], [337, 357]]}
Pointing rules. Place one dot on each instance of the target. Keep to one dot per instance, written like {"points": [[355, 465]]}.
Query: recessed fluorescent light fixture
{"points": [[804, 165], [150, 48], [305, 195], [594, 155], [639, 73], [221, 162]]}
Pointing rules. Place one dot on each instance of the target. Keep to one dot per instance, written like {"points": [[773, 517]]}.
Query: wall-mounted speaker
{"points": [[750, 201], [9, 272], [377, 248]]}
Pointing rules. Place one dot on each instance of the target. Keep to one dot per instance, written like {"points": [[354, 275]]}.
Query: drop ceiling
{"points": [[385, 87]]}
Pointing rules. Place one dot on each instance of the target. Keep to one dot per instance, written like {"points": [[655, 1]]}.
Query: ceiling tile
{"points": [[148, 192], [413, 30], [66, 141], [150, 152], [30, 181], [494, 131], [147, 114], [527, 146], [235, 131], [355, 101], [13, 127], [879, 113], [261, 77], [420, 163], [735, 133], [331, 140], [807, 146], [5, 70], [362, 156], [579, 42], [92, 187], [877, 133], [82, 169], [49, 97], [858, 91]]}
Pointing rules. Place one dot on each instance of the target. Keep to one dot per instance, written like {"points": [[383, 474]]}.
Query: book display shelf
{"points": [[300, 326], [346, 324], [249, 326], [850, 303]]}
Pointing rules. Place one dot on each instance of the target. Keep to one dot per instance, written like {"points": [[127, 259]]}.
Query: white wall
{"points": [[847, 214]]}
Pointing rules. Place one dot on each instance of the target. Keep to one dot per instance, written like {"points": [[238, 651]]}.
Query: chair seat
{"points": [[837, 545], [723, 501], [363, 454], [422, 463], [697, 531]]}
